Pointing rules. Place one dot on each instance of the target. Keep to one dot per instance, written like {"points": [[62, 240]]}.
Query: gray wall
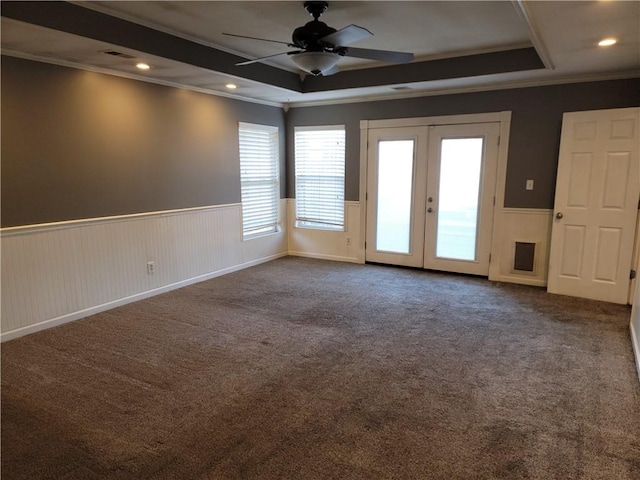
{"points": [[77, 144], [535, 128]]}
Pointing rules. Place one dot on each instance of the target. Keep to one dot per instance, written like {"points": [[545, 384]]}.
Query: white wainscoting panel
{"points": [[635, 261], [635, 321], [635, 331], [55, 273], [521, 225], [343, 246]]}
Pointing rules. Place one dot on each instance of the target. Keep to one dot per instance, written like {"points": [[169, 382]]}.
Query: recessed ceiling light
{"points": [[231, 86], [143, 66], [607, 42]]}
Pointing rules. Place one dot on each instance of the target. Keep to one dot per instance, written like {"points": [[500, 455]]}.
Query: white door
{"points": [[396, 172], [463, 161], [430, 196], [596, 203]]}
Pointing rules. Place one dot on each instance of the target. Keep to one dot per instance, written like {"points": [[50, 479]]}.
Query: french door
{"points": [[430, 196], [396, 189]]}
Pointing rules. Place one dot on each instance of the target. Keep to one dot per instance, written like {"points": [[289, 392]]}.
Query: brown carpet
{"points": [[305, 369]]}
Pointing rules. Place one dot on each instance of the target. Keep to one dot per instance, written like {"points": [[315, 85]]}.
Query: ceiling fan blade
{"points": [[381, 55], [256, 60], [346, 35], [261, 39]]}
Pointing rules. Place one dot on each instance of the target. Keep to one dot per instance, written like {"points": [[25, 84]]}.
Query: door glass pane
{"points": [[395, 181], [460, 167]]}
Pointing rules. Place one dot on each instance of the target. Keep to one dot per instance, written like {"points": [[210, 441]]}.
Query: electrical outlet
{"points": [[348, 240], [529, 185], [151, 268]]}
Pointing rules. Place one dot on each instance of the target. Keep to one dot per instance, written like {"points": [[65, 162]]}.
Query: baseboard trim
{"points": [[320, 256], [70, 317], [521, 279], [635, 339]]}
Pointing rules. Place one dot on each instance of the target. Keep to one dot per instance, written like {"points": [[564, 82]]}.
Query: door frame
{"points": [[504, 118]]}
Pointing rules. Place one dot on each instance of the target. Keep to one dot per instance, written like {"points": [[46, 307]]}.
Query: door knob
{"points": [[429, 209], [559, 215], [430, 199]]}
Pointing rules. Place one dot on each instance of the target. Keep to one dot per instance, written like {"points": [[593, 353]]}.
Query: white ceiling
{"points": [[564, 33], [423, 28]]}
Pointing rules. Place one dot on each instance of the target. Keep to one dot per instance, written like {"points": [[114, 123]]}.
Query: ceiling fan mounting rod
{"points": [[316, 9], [308, 37]]}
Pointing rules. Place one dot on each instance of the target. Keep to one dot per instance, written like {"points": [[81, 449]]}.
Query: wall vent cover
{"points": [[523, 260]]}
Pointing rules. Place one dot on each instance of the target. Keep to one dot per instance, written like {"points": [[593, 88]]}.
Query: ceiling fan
{"points": [[319, 46]]}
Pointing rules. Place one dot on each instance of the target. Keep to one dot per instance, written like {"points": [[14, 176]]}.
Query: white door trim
{"points": [[435, 121]]}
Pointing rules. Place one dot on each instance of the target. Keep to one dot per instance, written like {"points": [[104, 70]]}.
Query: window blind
{"points": [[259, 178], [319, 158]]}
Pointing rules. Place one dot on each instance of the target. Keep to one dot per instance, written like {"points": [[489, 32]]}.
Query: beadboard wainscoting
{"points": [[528, 225], [343, 246], [635, 331], [635, 314], [59, 272]]}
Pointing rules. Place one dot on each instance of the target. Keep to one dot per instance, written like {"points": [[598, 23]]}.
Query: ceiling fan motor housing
{"points": [[308, 35]]}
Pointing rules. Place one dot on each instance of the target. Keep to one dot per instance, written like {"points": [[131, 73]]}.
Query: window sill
{"points": [[254, 236], [326, 229]]}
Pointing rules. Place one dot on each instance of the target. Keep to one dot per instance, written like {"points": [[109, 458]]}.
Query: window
{"points": [[319, 154], [259, 178]]}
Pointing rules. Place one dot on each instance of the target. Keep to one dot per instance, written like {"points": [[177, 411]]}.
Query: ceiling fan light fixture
{"points": [[315, 63]]}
